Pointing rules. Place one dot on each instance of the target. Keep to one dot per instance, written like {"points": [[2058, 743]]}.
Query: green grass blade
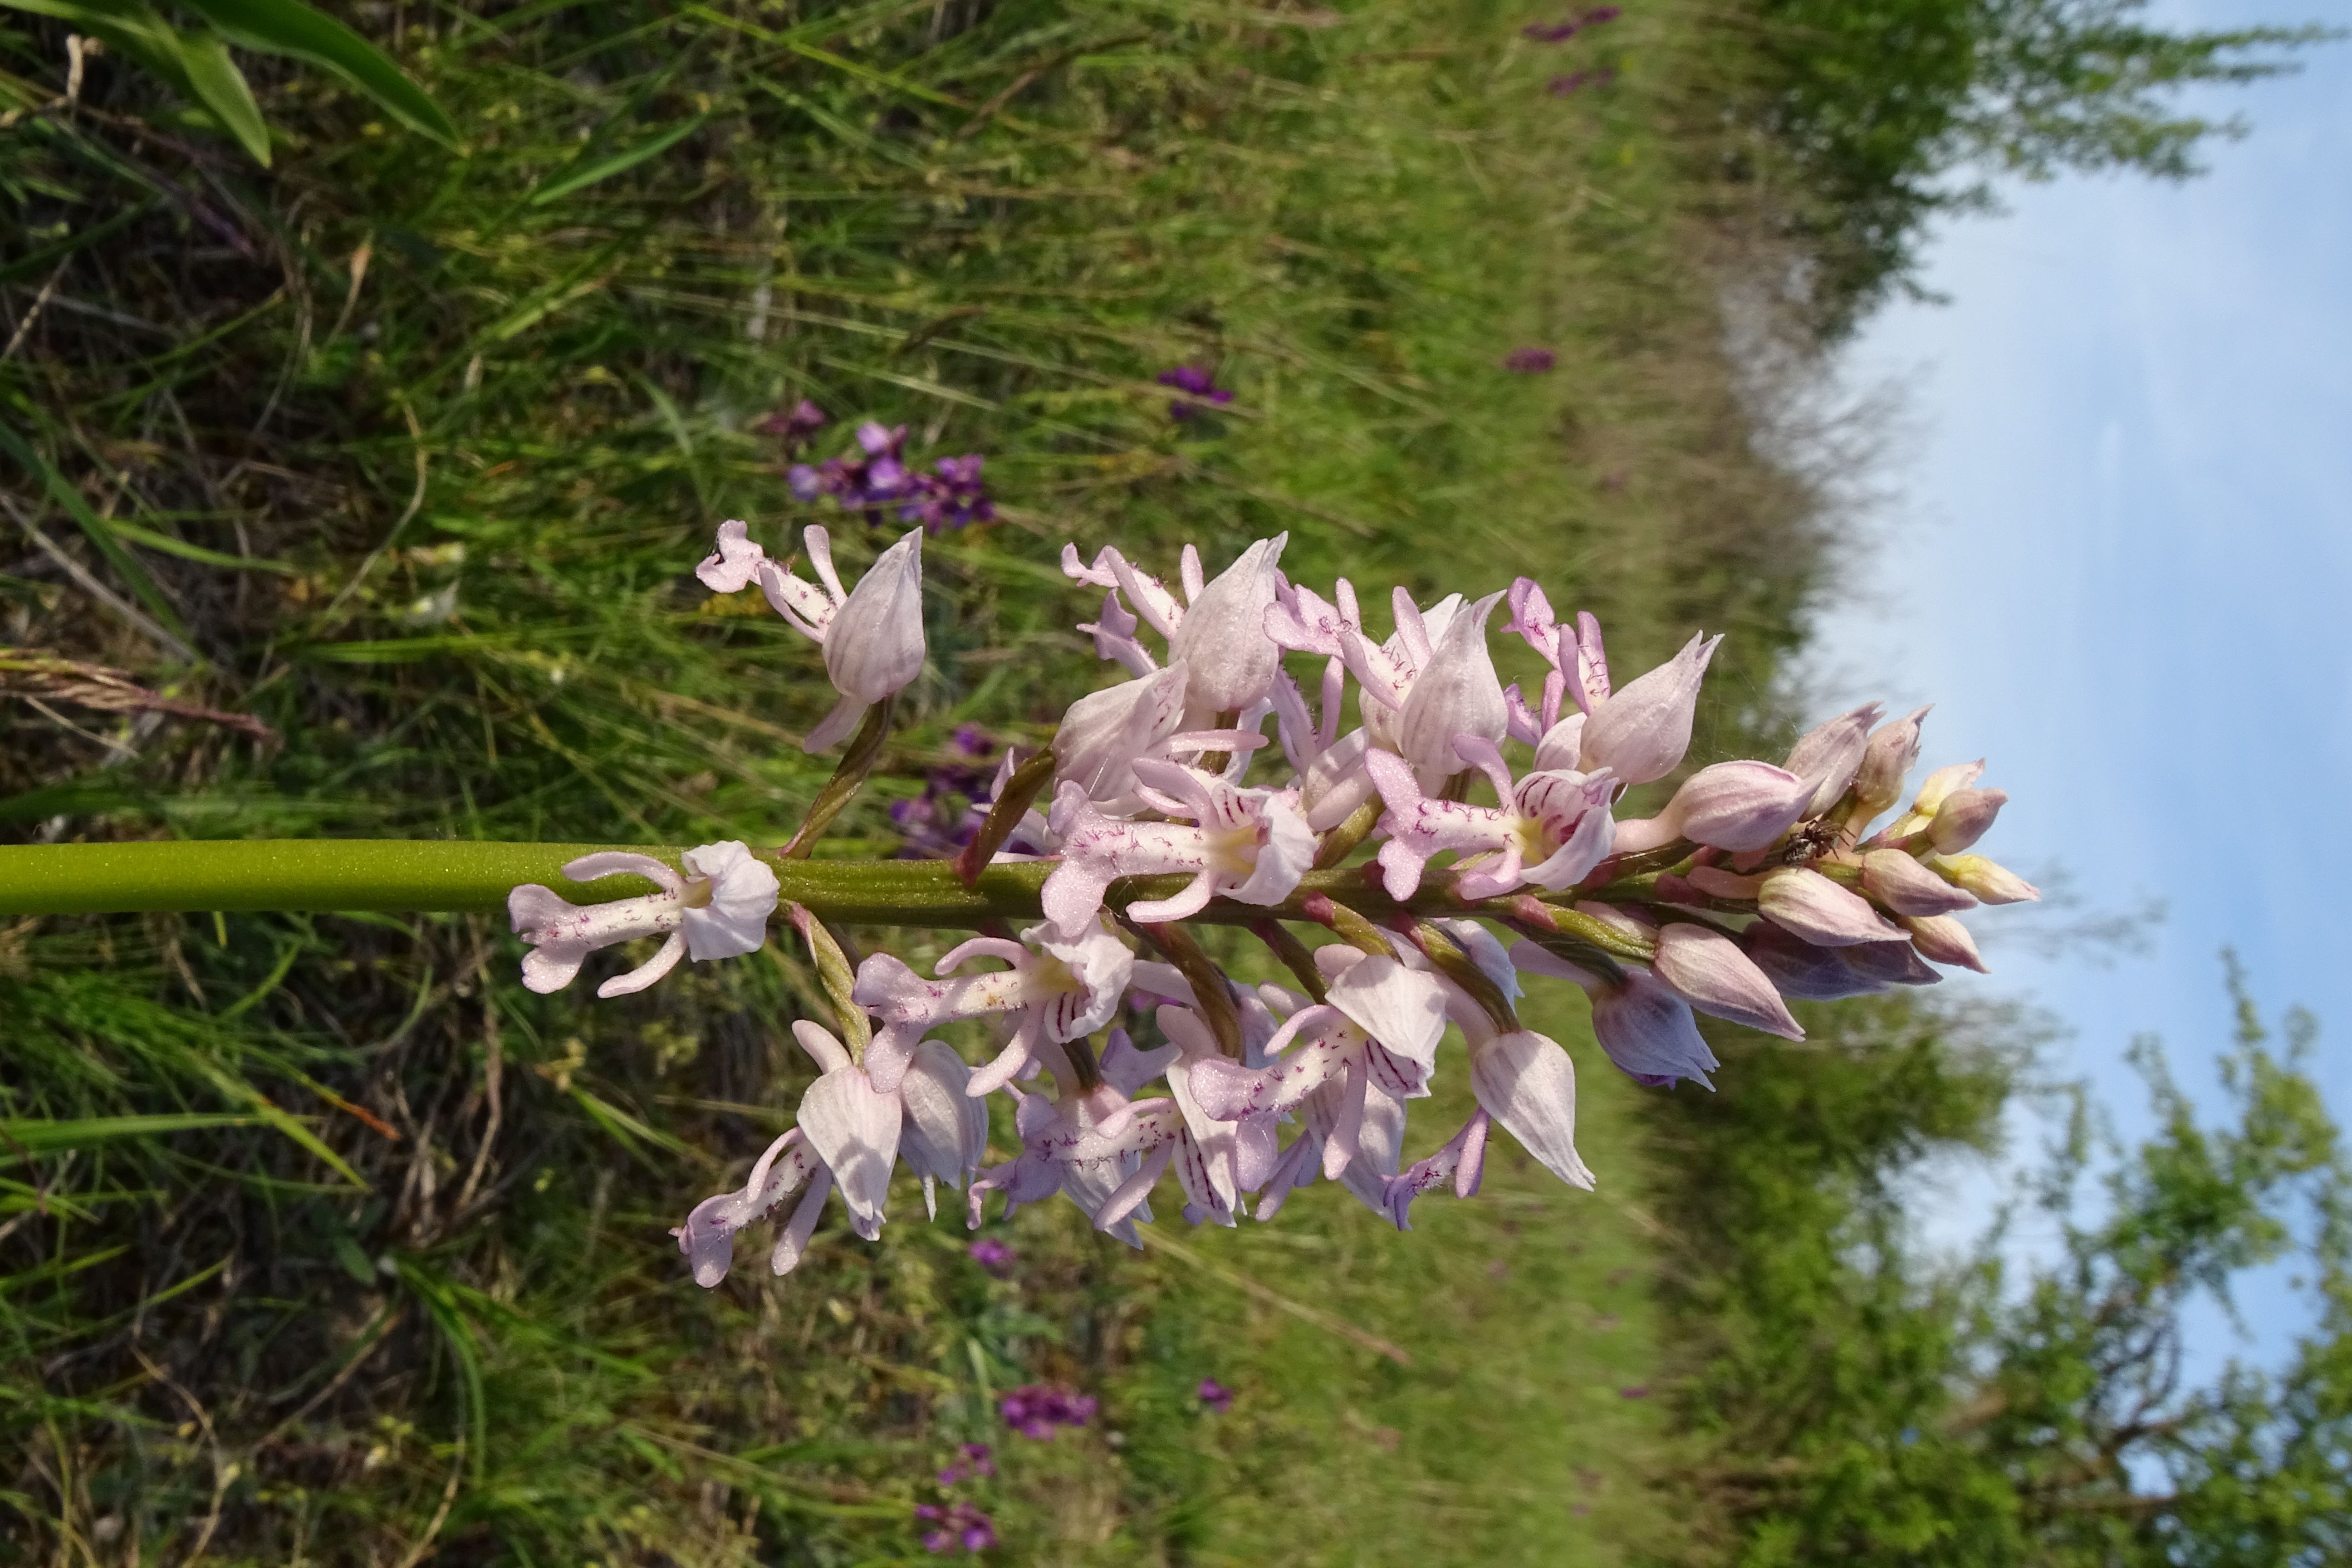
{"points": [[101, 533], [214, 78], [19, 1139], [289, 28], [563, 181]]}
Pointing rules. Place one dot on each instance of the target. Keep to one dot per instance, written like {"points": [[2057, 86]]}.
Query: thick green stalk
{"points": [[423, 876]]}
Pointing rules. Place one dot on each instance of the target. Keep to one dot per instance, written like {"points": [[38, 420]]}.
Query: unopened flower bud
{"points": [[874, 645], [1887, 963], [1829, 754], [1640, 733], [1942, 782], [1963, 817], [1740, 807], [1648, 1031], [1907, 887], [1886, 760], [1458, 694], [1820, 912], [1222, 636], [1991, 881], [1946, 941], [1715, 976], [1804, 973]]}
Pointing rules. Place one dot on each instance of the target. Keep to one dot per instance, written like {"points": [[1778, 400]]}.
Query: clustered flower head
{"points": [[1035, 1410], [955, 1526], [1200, 391], [876, 480], [955, 790], [1266, 757]]}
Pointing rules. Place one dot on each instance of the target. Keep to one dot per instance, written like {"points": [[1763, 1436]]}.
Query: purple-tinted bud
{"points": [[1888, 964], [1223, 636], [1886, 762], [1740, 807], [1963, 817], [1988, 881], [1215, 1395], [1907, 887], [1531, 361], [1818, 910], [1804, 973], [1716, 977], [1946, 941], [1648, 1031], [1829, 754], [1640, 733]]}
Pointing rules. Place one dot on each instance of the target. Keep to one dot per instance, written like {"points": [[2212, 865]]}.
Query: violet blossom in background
{"points": [[994, 1256], [976, 1462], [1562, 86], [1530, 361], [876, 480], [956, 793], [1034, 1410], [1562, 31], [956, 1526], [793, 426], [950, 496], [1197, 381], [1215, 1396]]}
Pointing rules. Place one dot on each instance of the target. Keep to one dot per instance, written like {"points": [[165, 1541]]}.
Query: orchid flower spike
{"points": [[718, 908]]}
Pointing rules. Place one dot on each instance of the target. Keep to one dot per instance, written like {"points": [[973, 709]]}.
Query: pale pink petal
{"points": [[1527, 1083]]}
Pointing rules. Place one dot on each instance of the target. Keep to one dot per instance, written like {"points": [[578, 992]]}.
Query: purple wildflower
{"points": [[942, 819], [1561, 86], [1195, 381], [1215, 1396], [950, 496], [995, 1257], [1530, 361], [960, 1525], [978, 1455], [1034, 1410], [793, 427], [1562, 31]]}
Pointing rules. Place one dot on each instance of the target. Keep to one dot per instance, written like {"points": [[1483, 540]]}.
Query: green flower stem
{"points": [[420, 876]]}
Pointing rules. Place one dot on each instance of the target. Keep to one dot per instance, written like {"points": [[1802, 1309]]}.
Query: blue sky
{"points": [[2116, 553]]}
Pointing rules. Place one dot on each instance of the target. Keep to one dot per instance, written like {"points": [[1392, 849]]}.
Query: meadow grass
{"points": [[407, 454]]}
